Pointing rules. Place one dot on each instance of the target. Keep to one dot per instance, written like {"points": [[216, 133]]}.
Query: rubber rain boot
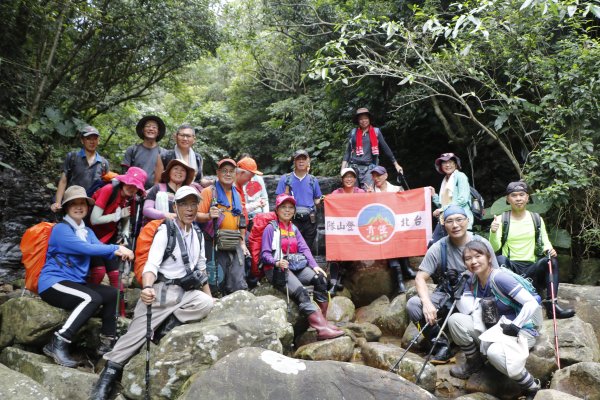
{"points": [[324, 332], [58, 349], [111, 373]]}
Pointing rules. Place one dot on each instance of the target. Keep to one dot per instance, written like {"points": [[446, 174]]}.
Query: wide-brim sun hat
{"points": [[282, 198], [139, 129], [76, 192], [359, 112], [248, 164], [346, 170], [186, 191], [134, 176], [446, 157], [189, 176]]}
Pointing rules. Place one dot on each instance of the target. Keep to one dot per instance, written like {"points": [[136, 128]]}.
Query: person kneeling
{"points": [[176, 288], [494, 299], [289, 264]]}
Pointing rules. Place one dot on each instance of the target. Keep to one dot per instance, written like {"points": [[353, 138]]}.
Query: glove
{"points": [[510, 329], [117, 214]]}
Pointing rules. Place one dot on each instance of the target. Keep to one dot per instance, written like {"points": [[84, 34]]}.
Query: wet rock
{"points": [[338, 349], [341, 309], [586, 302], [14, 385], [373, 311], [491, 381], [384, 356], [551, 394], [63, 383], [370, 332], [368, 280], [394, 319], [582, 380], [252, 373]]}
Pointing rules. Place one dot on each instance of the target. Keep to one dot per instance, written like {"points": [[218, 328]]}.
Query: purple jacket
{"points": [[267, 250]]}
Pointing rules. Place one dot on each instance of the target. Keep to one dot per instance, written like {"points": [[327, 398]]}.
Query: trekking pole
{"points": [[120, 284], [435, 342], [412, 342], [402, 181], [148, 338], [553, 298], [215, 221]]}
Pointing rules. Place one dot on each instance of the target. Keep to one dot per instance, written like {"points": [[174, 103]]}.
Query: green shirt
{"points": [[520, 243]]}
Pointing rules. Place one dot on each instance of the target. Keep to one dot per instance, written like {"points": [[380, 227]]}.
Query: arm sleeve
{"points": [[149, 210], [266, 250], [304, 249], [348, 152], [545, 239], [264, 194], [496, 238], [280, 186], [97, 217], [157, 251], [63, 237], [463, 194], [384, 146]]}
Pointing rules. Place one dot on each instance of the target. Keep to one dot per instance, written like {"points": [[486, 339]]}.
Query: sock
{"points": [[526, 381], [470, 350], [113, 277]]}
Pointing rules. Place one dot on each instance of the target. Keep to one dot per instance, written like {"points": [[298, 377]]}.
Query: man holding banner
{"points": [[442, 262]]}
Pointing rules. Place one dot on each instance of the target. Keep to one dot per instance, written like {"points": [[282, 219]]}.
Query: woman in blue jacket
{"points": [[62, 282]]}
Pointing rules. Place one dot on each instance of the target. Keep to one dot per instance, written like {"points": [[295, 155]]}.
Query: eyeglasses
{"points": [[188, 137], [458, 221], [189, 206], [227, 171]]}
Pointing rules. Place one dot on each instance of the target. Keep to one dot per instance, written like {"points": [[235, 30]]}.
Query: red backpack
{"points": [[255, 240]]}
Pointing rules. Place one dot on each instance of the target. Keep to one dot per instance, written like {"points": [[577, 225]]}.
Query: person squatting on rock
{"points": [[222, 204], [305, 188], [289, 264], [82, 168], [110, 222], [161, 197], [62, 281], [428, 308], [525, 248], [382, 185], [184, 137], [455, 189], [146, 155], [497, 315], [177, 291], [362, 152]]}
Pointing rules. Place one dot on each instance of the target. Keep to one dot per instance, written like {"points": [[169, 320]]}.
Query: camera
{"points": [[195, 279]]}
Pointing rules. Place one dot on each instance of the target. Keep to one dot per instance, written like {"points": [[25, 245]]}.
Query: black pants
{"points": [[308, 230], [83, 300], [538, 272]]}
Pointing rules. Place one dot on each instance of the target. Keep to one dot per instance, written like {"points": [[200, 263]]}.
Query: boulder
{"points": [[409, 335], [489, 380], [373, 311], [364, 330], [237, 320], [448, 386], [576, 341], [338, 349], [14, 385], [551, 394], [585, 300], [252, 373], [63, 383], [29, 321], [394, 319], [589, 272], [476, 396], [292, 310], [367, 280], [385, 356], [341, 309], [582, 380]]}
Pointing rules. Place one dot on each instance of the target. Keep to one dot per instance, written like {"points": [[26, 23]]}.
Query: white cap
{"points": [[185, 191], [346, 170]]}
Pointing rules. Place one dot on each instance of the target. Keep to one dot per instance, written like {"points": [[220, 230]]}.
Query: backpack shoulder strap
{"points": [[113, 193], [505, 226], [288, 183], [537, 222], [170, 239], [444, 256], [70, 164]]}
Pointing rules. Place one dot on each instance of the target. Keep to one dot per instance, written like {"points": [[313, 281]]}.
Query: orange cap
{"points": [[248, 164]]}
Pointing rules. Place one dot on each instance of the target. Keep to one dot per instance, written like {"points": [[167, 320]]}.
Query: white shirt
{"points": [[390, 188]]}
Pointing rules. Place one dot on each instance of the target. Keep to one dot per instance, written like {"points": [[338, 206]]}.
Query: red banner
{"points": [[376, 226]]}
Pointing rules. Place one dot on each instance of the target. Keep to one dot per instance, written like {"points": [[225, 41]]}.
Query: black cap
{"points": [[518, 186]]}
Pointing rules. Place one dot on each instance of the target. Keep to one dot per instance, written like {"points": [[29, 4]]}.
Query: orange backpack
{"points": [[34, 246], [144, 241]]}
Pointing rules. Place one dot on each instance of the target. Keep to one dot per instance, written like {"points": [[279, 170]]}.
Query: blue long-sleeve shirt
{"points": [[68, 257]]}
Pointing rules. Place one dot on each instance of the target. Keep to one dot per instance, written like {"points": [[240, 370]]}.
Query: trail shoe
{"points": [[111, 373], [561, 313], [165, 327], [58, 349], [106, 344], [474, 363]]}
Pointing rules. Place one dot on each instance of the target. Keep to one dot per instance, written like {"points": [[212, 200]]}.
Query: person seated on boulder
{"points": [[401, 266], [62, 282], [498, 315], [442, 262], [110, 222], [525, 247], [289, 264], [178, 292], [160, 198]]}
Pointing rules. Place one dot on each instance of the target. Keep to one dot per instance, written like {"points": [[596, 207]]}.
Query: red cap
{"points": [[226, 161]]}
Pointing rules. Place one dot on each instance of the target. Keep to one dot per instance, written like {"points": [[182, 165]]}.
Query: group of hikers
{"points": [[206, 221]]}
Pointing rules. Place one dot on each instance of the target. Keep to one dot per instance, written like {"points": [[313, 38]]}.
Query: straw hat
{"points": [[76, 192]]}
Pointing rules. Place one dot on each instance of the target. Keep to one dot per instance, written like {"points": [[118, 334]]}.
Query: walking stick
{"points": [[121, 267], [148, 338], [402, 181], [553, 298], [215, 221], [412, 342]]}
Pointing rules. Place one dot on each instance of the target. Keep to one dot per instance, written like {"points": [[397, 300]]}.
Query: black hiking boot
{"points": [[165, 327], [58, 349], [441, 353], [106, 344], [473, 364], [407, 271], [561, 313], [400, 280], [111, 373]]}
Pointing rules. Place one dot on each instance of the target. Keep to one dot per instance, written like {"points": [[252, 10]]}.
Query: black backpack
{"points": [[477, 204]]}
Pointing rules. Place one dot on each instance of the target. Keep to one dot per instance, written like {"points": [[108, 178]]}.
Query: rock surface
{"points": [[369, 279], [338, 349], [582, 380], [253, 373], [14, 385], [341, 309], [585, 300]]}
